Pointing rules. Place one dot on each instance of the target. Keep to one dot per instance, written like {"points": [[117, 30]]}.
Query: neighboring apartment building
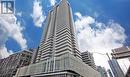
{"points": [[102, 71], [87, 58], [116, 68], [122, 53], [9, 65]]}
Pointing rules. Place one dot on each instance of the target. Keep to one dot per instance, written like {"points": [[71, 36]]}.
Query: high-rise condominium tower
{"points": [[59, 35], [58, 54]]}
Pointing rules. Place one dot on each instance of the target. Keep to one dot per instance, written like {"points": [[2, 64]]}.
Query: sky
{"points": [[101, 25]]}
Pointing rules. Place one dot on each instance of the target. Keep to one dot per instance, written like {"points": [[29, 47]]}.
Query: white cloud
{"points": [[37, 15], [10, 28], [82, 22], [52, 2], [4, 53], [98, 37], [19, 14]]}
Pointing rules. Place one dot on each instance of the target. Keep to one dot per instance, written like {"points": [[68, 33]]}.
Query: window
{"points": [[44, 67], [57, 64], [51, 65]]}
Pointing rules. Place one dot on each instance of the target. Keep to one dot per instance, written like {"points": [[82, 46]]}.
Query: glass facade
{"points": [[66, 62]]}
